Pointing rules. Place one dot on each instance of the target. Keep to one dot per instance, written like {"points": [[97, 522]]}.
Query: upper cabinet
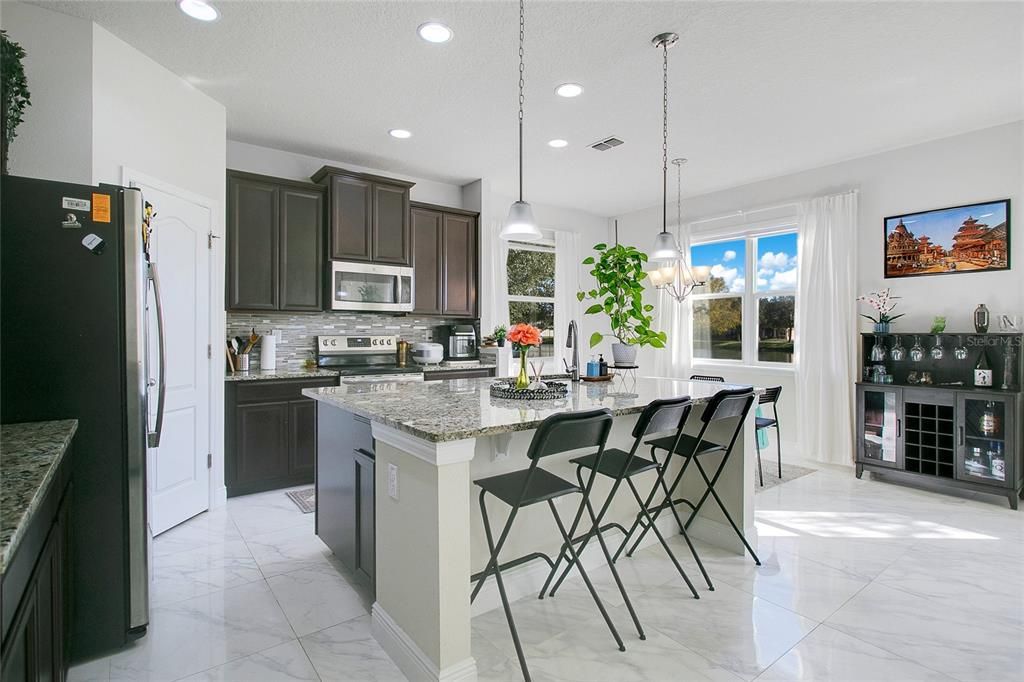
{"points": [[368, 217], [274, 243], [445, 246]]}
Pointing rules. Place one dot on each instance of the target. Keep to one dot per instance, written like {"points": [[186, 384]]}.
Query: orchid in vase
{"points": [[523, 337], [884, 303]]}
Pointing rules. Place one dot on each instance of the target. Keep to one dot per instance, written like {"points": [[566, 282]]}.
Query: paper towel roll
{"points": [[268, 352]]}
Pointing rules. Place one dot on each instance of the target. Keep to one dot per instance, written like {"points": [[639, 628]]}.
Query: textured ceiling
{"points": [[756, 89]]}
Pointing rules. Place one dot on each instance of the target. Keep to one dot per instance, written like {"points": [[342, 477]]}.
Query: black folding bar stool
{"points": [[556, 434], [725, 405], [660, 416], [770, 395], [706, 377]]}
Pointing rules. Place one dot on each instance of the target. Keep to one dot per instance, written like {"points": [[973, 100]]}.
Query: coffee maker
{"points": [[459, 341]]}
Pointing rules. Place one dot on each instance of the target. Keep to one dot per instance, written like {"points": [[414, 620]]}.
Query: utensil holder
{"points": [[243, 362]]}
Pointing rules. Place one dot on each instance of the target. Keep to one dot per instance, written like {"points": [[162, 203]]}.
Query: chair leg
{"points": [[501, 584], [574, 558], [668, 501], [757, 445], [583, 543], [615, 574], [562, 552], [721, 505], [778, 445], [661, 539]]}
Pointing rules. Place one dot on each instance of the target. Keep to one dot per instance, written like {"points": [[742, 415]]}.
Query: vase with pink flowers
{"points": [[884, 303]]}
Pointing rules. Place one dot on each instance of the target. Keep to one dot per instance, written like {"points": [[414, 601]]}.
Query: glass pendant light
{"points": [[520, 224], [675, 276], [665, 247]]}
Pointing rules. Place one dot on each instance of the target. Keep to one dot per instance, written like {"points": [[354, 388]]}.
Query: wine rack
{"points": [[929, 439]]}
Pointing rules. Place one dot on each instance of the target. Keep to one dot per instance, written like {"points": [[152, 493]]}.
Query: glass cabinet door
{"points": [[879, 429], [985, 438]]}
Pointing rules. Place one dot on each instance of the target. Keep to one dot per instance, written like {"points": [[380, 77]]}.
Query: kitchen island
{"points": [[430, 441]]}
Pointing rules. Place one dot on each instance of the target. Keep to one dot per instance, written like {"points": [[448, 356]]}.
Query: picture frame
{"points": [[954, 240]]}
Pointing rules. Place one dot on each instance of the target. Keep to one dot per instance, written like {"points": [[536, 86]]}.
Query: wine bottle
{"points": [[983, 371]]}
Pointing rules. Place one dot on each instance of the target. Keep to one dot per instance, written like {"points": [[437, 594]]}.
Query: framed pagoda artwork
{"points": [[948, 241]]}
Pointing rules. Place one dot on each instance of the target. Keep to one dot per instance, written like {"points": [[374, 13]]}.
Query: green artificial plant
{"points": [[619, 271], [14, 94]]}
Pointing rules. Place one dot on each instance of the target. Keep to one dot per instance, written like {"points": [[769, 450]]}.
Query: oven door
{"points": [[362, 286]]}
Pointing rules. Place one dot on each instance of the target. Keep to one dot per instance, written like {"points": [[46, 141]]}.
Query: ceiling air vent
{"points": [[606, 144]]}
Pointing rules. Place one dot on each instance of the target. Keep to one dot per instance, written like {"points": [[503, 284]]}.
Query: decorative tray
{"points": [[605, 377], [507, 390]]}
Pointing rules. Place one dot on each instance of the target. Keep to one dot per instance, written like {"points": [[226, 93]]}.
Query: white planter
{"points": [[623, 354]]}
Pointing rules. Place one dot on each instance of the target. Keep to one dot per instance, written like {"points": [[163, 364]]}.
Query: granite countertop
{"points": [[29, 457], [282, 373], [453, 410], [461, 367]]}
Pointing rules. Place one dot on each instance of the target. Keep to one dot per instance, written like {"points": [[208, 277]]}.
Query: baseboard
{"points": [[721, 534], [409, 658], [219, 498], [527, 579]]}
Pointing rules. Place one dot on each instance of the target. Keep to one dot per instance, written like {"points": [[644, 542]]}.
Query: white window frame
{"points": [[749, 297], [542, 246]]}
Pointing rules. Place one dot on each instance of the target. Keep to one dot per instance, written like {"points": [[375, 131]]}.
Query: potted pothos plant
{"points": [[14, 94], [619, 271]]}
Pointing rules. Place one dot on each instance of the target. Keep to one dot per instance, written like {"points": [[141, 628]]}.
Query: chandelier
{"points": [[674, 276]]}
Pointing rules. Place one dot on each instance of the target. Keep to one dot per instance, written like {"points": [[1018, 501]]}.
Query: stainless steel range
{"points": [[361, 355]]}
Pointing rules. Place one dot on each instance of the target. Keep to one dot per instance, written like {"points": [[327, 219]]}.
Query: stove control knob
{"points": [[334, 342], [373, 342], [391, 342]]}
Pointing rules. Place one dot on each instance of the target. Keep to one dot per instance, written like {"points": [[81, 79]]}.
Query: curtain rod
{"points": [[762, 209]]}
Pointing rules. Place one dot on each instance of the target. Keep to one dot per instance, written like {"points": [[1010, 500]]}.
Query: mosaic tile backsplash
{"points": [[299, 330]]}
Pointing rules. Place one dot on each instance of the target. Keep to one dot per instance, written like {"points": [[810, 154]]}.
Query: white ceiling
{"points": [[756, 89]]}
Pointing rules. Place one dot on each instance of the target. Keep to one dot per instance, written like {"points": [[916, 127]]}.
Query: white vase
{"points": [[623, 354]]}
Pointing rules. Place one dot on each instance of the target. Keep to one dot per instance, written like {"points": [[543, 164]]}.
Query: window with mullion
{"points": [[746, 312], [531, 290]]}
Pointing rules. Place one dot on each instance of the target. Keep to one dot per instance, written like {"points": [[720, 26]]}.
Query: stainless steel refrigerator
{"points": [[76, 288]]}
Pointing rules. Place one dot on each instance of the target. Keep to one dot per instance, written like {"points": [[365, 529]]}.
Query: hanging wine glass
{"points": [[960, 352], [916, 351], [878, 351], [938, 352], [898, 352]]}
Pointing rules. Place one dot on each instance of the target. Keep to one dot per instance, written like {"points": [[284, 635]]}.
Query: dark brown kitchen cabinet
{"points": [[270, 434], [274, 244], [368, 216], [34, 592], [345, 493], [428, 285], [446, 273]]}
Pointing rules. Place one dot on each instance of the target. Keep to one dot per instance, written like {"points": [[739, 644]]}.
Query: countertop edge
{"points": [[33, 504]]}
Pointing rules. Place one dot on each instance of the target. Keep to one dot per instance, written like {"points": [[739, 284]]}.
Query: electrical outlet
{"points": [[392, 481], [277, 336]]}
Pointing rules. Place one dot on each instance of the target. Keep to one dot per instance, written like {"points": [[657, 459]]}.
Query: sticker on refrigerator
{"points": [[73, 204], [70, 222], [101, 208], [94, 243]]}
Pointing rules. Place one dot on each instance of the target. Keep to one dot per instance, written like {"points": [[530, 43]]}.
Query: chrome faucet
{"points": [[573, 341]]}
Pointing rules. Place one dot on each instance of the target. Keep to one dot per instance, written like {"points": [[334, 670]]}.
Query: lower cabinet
{"points": [[270, 434], [345, 496], [35, 638]]}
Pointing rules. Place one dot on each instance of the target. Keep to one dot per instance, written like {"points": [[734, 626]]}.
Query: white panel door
{"points": [[177, 470]]}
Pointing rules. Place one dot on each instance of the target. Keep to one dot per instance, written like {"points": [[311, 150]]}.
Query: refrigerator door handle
{"points": [[153, 437]]}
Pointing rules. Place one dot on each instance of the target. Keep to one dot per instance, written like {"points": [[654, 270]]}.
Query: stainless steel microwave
{"points": [[365, 286]]}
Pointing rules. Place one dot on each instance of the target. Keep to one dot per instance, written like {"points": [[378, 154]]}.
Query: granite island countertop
{"points": [[440, 411], [30, 455]]}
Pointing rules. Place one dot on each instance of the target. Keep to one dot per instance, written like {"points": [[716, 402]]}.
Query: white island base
{"points": [[430, 538]]}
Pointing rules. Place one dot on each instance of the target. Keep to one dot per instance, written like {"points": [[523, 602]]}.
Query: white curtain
{"points": [[567, 283], [673, 318], [493, 279], [826, 320]]}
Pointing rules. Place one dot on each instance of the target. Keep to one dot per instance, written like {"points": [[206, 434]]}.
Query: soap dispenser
{"points": [[602, 366], [593, 369]]}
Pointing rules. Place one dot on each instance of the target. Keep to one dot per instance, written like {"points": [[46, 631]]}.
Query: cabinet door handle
{"points": [[961, 429], [899, 428]]}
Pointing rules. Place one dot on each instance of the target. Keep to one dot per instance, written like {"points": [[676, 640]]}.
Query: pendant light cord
{"points": [[522, 82], [664, 139]]}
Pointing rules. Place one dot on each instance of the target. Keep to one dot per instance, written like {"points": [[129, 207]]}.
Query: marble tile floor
{"points": [[861, 580]]}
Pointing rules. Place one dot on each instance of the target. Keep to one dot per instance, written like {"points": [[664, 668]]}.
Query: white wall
{"points": [[276, 162], [55, 140], [977, 166]]}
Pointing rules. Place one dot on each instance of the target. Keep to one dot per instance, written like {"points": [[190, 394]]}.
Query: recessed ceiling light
{"points": [[569, 90], [199, 9], [435, 32], [558, 144], [400, 133]]}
